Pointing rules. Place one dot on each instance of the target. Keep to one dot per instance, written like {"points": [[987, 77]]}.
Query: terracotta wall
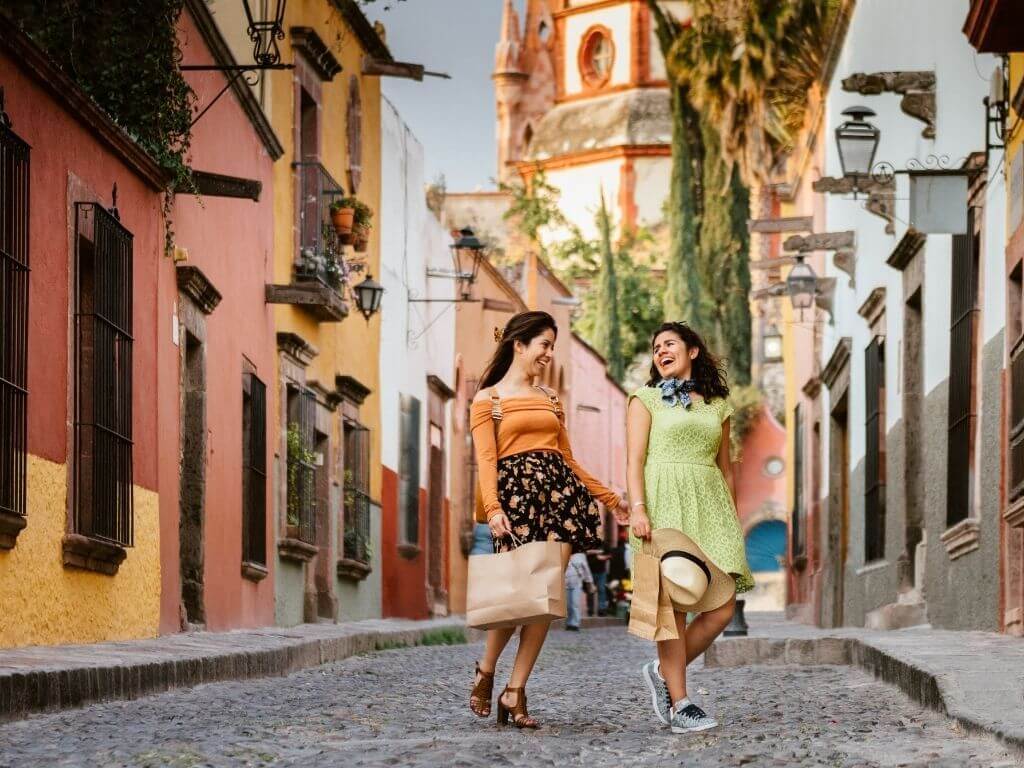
{"points": [[44, 602], [230, 240]]}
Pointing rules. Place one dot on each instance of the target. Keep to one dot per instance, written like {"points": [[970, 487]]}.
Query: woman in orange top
{"points": [[531, 486]]}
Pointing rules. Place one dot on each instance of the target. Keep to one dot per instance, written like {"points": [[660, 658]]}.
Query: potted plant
{"points": [[362, 223], [342, 213]]}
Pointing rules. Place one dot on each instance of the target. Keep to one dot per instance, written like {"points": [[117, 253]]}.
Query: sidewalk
{"points": [[47, 678], [976, 678]]}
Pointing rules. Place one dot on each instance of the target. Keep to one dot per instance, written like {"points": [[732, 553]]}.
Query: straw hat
{"points": [[692, 581]]}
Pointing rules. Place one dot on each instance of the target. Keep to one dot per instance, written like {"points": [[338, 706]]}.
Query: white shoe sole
{"points": [[697, 728], [653, 688]]}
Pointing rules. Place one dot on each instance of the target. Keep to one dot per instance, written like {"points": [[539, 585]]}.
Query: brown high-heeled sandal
{"points": [[520, 717], [480, 696]]}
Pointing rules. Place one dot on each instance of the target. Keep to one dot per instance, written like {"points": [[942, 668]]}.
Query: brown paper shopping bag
{"points": [[650, 612], [523, 586]]}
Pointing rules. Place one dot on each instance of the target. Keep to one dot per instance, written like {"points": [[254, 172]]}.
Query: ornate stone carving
{"points": [[194, 284], [824, 293], [906, 249], [882, 204], [296, 347], [845, 185], [775, 225], [916, 87], [846, 261], [820, 241], [772, 291], [873, 306]]}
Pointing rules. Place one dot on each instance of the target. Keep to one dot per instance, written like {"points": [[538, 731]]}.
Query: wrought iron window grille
{"points": [[14, 277], [103, 498], [321, 255], [254, 469], [356, 541]]}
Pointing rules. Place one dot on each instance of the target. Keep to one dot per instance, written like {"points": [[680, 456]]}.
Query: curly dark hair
{"points": [[708, 370]]}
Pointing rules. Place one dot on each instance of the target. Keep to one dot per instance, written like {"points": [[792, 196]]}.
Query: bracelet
{"points": [[639, 504]]}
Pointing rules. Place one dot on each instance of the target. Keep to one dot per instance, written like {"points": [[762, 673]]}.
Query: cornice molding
{"points": [[296, 347], [314, 50], [194, 284], [873, 306], [906, 249], [351, 389], [837, 362]]}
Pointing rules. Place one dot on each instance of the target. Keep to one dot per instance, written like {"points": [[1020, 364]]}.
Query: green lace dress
{"points": [[685, 488]]}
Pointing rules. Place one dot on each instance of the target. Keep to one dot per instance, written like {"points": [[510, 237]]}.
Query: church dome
{"points": [[628, 118]]}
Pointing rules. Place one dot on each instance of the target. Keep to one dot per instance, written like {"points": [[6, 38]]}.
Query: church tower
{"points": [[582, 95]]}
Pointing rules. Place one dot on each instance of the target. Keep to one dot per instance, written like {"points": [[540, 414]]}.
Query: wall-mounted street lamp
{"points": [[857, 141], [264, 30], [368, 295], [467, 253], [801, 285]]}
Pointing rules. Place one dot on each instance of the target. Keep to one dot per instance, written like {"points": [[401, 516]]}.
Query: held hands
{"points": [[621, 512], [640, 523], [499, 525]]}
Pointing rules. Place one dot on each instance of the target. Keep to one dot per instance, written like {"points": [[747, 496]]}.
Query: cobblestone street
{"points": [[408, 707]]}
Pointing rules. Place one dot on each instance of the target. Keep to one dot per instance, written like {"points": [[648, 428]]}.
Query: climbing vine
{"points": [[124, 54]]}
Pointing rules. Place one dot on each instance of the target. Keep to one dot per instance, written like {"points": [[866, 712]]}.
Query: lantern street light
{"points": [[368, 295], [801, 285], [857, 140], [466, 254], [264, 32]]}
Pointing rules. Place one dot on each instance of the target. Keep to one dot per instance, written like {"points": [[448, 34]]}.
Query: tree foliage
{"points": [[606, 330]]}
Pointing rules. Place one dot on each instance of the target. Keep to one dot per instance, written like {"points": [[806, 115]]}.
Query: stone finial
{"points": [[916, 87], [509, 47]]}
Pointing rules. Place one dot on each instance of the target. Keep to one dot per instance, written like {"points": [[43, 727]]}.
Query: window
{"points": [[103, 377], [1014, 329], [799, 516], [409, 469], [356, 544], [254, 469], [774, 466], [301, 512], [874, 460], [596, 57], [14, 208], [962, 378]]}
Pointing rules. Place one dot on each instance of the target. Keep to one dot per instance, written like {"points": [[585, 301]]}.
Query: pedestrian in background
{"points": [[578, 579], [597, 600], [680, 480], [531, 487]]}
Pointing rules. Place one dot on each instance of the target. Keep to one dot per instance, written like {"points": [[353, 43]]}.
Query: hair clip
{"points": [[498, 335]]}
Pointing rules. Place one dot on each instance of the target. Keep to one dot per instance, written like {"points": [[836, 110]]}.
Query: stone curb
{"points": [[931, 689], [100, 673]]}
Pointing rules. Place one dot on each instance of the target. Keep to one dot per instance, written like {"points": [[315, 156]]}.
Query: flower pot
{"points": [[341, 218], [347, 238], [361, 239]]}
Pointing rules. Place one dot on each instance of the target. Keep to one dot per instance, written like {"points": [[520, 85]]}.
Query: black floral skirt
{"points": [[545, 501]]}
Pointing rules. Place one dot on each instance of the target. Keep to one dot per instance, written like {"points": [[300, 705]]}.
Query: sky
{"points": [[453, 119]]}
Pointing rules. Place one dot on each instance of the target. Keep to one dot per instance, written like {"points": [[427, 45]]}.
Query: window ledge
{"points": [[296, 550], [409, 551], [1014, 515], [353, 570], [962, 538], [874, 565], [320, 300], [92, 554], [254, 571], [10, 526]]}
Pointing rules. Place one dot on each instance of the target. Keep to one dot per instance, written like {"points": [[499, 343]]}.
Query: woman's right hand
{"points": [[499, 525], [640, 524]]}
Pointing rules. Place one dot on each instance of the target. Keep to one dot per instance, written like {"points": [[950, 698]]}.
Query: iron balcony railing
{"points": [[320, 251]]}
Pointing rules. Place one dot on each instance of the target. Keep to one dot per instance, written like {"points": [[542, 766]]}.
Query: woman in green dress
{"points": [[680, 476]]}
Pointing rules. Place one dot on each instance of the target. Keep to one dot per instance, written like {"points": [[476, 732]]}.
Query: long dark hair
{"points": [[708, 371], [524, 327]]}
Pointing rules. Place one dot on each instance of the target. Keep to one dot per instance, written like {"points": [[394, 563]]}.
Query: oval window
{"points": [[597, 55], [774, 466]]}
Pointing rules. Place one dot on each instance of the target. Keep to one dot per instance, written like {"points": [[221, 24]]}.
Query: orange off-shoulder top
{"points": [[527, 424]]}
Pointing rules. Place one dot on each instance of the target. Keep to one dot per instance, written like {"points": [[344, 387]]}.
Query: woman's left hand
{"points": [[621, 512]]}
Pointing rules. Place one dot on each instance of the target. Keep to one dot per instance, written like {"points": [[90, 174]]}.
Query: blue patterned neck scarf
{"points": [[674, 391]]}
